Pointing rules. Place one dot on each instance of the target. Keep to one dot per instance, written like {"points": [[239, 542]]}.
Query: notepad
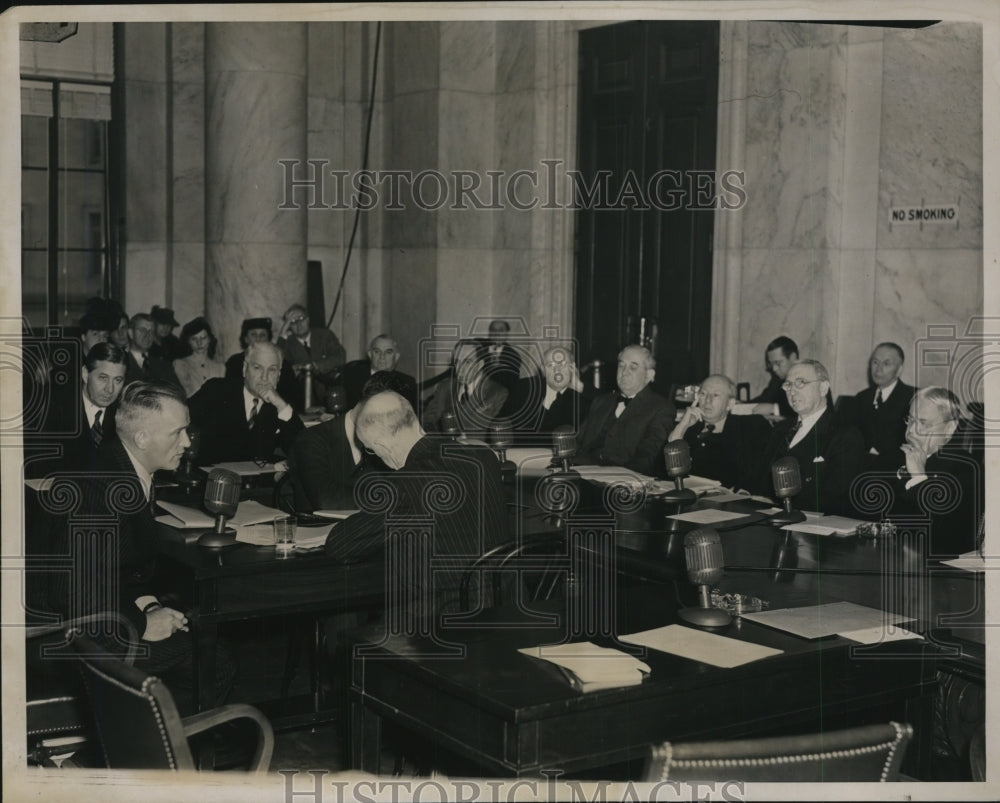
{"points": [[817, 621], [612, 474], [707, 516], [184, 518], [589, 667], [708, 648], [878, 635]]}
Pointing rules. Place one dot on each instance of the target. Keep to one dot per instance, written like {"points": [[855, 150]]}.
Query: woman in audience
{"points": [[200, 364]]}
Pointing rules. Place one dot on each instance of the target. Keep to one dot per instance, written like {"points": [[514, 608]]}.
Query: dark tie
{"points": [[96, 430], [625, 399], [309, 355], [152, 498], [793, 432], [253, 414], [878, 399], [703, 435], [145, 363], [464, 395]]}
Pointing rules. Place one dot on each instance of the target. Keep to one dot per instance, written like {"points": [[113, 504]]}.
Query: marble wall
{"points": [[840, 124]]}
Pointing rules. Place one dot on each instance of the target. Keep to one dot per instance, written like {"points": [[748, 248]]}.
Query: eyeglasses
{"points": [[798, 384], [922, 423], [298, 319]]}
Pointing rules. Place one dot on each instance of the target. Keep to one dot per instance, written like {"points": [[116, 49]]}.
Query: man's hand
{"points": [[271, 397], [162, 623], [916, 459], [692, 415]]}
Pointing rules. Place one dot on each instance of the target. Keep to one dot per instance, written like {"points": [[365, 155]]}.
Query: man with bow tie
{"points": [[630, 426], [830, 454]]}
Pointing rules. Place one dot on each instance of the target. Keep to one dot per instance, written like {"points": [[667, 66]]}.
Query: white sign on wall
{"points": [[937, 213]]}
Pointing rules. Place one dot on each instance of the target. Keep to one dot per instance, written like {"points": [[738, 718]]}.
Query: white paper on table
{"points": [[591, 663], [723, 495], [183, 518], [842, 525], [41, 484], [770, 510], [813, 529], [876, 635], [335, 514], [530, 462], [707, 516], [253, 512], [708, 648], [256, 534], [612, 474], [970, 562], [245, 468], [816, 621]]}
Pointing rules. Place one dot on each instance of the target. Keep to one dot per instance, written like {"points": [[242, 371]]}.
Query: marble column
{"points": [[255, 252]]}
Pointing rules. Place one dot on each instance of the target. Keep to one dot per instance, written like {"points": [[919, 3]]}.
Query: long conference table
{"points": [[468, 692]]}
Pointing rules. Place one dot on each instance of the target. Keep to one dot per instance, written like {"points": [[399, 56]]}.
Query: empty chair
{"points": [[867, 753], [137, 723]]}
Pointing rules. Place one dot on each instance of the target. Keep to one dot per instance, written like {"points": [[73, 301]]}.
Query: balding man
{"points": [[548, 399], [470, 393], [456, 486], [830, 454], [247, 419], [383, 355], [724, 447], [629, 427]]}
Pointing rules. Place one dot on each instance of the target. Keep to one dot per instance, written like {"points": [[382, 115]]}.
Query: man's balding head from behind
{"points": [[387, 425]]}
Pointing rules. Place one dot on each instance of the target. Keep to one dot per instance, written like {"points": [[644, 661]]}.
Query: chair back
{"points": [[867, 753], [135, 719], [537, 564]]}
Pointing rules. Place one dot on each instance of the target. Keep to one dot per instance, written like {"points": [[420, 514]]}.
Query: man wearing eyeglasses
{"points": [[550, 398], [830, 454], [314, 348]]}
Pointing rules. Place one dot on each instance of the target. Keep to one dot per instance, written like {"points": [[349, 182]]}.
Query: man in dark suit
{"points": [[245, 420], [502, 360], [473, 397], [467, 517], [724, 447], [941, 480], [629, 427], [166, 344], [310, 347], [548, 399], [830, 454], [880, 411], [151, 422], [383, 354], [258, 330], [780, 355], [80, 428], [142, 365]]}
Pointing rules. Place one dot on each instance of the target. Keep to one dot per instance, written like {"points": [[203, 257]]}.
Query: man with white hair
{"points": [[245, 420], [452, 489], [383, 355]]}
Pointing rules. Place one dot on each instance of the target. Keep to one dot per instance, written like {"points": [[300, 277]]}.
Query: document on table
{"points": [[245, 468], [612, 474], [183, 517], [530, 462], [877, 635], [41, 484], [816, 621], [707, 516], [589, 667], [708, 648], [335, 514], [826, 525], [972, 562]]}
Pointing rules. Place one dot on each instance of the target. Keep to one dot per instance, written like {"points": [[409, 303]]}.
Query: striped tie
{"points": [[97, 430], [252, 419], [878, 399]]}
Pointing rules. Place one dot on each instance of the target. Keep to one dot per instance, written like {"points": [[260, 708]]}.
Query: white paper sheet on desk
{"points": [[697, 645], [253, 512], [335, 514], [707, 516], [876, 635], [263, 535], [612, 474], [245, 468], [183, 517], [530, 462], [41, 484], [812, 529], [591, 663], [816, 621], [972, 562]]}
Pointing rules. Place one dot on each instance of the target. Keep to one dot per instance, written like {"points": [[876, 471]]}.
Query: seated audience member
{"points": [[880, 411], [780, 355], [198, 363], [119, 335], [470, 394], [550, 398], [151, 423], [724, 447], [143, 366], [315, 348], [383, 354], [628, 427], [939, 478], [81, 424], [830, 454], [94, 329], [326, 459], [258, 330], [248, 419], [387, 425], [503, 361], [166, 344]]}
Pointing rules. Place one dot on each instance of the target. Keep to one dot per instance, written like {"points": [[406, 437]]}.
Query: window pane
{"points": [[34, 141], [80, 277], [34, 209], [81, 144], [34, 273], [81, 210]]}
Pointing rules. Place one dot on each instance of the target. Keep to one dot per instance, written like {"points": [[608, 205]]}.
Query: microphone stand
{"points": [[788, 515]]}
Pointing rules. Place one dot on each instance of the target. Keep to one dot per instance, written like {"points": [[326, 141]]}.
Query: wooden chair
{"points": [[137, 723], [539, 563], [867, 753]]}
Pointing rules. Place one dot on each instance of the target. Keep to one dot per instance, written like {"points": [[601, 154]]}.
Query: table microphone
{"points": [[563, 447], [222, 497], [502, 436], [787, 481], [703, 555], [677, 455], [335, 401]]}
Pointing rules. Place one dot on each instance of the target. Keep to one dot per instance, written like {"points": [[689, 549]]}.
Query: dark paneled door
{"points": [[645, 194]]}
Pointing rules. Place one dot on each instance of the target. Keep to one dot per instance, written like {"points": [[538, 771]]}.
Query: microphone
{"points": [[503, 438], [563, 447], [787, 481], [449, 424], [335, 401], [703, 555], [222, 497], [677, 455]]}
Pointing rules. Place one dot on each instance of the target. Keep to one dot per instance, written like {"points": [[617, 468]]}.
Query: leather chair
{"points": [[539, 563], [137, 723], [867, 753]]}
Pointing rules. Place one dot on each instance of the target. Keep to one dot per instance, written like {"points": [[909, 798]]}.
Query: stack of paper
{"points": [[252, 521], [708, 648], [826, 525], [589, 667]]}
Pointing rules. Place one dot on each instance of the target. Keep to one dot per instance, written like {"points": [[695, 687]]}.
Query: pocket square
{"points": [[819, 459]]}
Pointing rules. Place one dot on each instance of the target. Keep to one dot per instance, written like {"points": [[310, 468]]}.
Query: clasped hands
{"points": [[162, 623]]}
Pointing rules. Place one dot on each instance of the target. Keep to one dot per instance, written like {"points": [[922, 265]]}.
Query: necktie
{"points": [[793, 432], [464, 395], [152, 498], [708, 430], [253, 414], [96, 430], [878, 398], [624, 399], [309, 355], [145, 363]]}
